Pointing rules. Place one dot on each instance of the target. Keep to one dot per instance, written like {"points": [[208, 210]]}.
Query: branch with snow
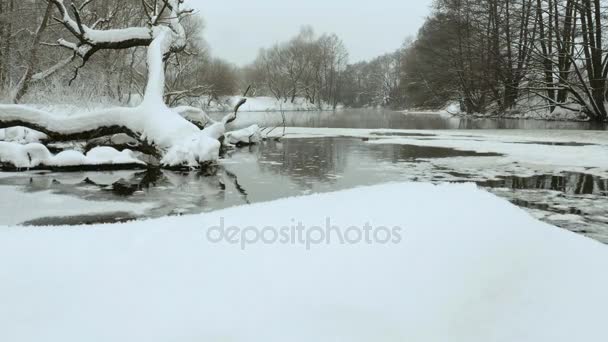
{"points": [[34, 156]]}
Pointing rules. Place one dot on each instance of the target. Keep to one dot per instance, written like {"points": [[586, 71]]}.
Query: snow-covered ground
{"points": [[481, 270], [264, 104], [532, 107]]}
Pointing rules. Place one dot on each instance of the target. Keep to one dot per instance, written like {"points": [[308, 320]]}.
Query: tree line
{"points": [[499, 55], [305, 66], [38, 65], [490, 56], [318, 70]]}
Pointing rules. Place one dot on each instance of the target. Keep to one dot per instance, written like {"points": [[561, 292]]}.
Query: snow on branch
{"points": [[91, 40], [63, 128]]}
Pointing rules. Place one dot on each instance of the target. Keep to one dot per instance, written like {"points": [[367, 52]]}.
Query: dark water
{"points": [[377, 119], [295, 167], [259, 173]]}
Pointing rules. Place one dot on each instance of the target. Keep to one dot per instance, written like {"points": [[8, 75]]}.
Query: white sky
{"points": [[237, 29]]}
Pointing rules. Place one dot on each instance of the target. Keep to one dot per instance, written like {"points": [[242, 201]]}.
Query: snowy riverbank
{"points": [[531, 109], [470, 267]]}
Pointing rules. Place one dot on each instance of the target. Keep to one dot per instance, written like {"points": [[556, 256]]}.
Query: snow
{"points": [[21, 135], [156, 73], [247, 136], [118, 35], [37, 155], [531, 107], [561, 156], [264, 104], [452, 108], [574, 112], [152, 119], [193, 114], [421, 112], [105, 36], [192, 152], [481, 270]]}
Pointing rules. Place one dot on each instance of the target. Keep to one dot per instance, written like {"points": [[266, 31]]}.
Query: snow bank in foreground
{"points": [[35, 155], [470, 267], [265, 104]]}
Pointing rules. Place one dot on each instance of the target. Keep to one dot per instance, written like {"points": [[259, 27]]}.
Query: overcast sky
{"points": [[237, 29]]}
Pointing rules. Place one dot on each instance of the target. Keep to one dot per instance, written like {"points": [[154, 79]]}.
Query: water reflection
{"points": [[248, 175], [306, 162], [295, 167], [568, 183], [378, 119]]}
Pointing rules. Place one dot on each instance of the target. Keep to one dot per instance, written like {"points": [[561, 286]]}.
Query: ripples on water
{"points": [[295, 167]]}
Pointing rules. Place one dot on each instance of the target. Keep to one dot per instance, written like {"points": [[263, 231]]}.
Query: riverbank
{"points": [[528, 111]]}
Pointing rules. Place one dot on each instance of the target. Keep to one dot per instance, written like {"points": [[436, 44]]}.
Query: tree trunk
{"points": [[25, 81], [8, 32]]}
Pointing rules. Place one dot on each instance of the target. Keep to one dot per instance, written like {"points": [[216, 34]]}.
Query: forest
{"points": [[498, 56], [488, 56]]}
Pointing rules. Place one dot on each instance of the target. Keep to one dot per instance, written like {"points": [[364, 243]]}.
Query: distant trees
{"points": [[220, 77], [375, 83], [490, 55], [305, 66], [317, 70]]}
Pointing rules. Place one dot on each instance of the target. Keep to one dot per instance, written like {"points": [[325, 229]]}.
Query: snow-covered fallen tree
{"points": [[173, 136]]}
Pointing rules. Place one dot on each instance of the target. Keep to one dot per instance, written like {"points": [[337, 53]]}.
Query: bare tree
{"points": [[160, 131]]}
